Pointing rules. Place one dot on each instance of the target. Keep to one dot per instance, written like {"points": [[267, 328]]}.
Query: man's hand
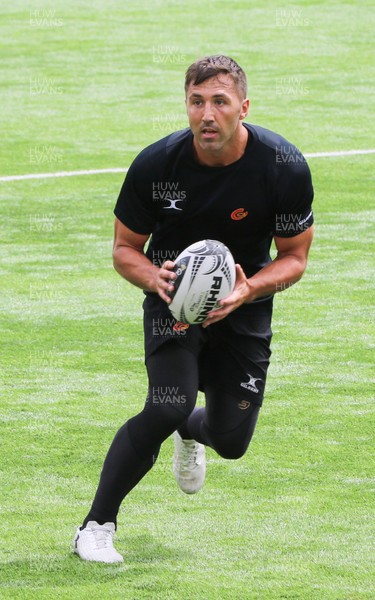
{"points": [[163, 280], [285, 270], [241, 293]]}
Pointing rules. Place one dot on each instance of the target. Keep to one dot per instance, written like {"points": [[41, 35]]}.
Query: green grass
{"points": [[88, 87]]}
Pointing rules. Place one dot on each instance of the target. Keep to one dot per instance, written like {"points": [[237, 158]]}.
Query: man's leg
{"points": [[173, 385], [226, 424], [234, 372]]}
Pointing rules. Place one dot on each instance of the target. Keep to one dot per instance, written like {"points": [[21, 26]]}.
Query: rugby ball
{"points": [[206, 273]]}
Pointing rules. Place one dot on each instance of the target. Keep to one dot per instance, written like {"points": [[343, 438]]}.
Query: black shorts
{"points": [[233, 354]]}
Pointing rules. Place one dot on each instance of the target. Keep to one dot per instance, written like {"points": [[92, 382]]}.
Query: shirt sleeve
{"points": [[294, 196], [134, 206]]}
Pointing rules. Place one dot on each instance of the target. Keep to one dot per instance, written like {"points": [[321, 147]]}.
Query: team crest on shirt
{"points": [[251, 384], [238, 214]]}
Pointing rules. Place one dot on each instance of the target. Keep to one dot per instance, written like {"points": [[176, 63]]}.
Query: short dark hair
{"points": [[212, 66]]}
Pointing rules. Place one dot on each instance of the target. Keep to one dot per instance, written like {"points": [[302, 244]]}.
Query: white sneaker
{"points": [[189, 464], [95, 542]]}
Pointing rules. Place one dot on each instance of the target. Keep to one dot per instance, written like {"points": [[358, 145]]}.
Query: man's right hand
{"points": [[163, 281]]}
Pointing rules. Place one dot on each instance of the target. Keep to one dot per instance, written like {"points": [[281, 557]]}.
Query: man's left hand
{"points": [[240, 294]]}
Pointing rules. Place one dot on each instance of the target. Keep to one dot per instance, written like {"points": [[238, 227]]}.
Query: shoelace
{"points": [[190, 454], [102, 537]]}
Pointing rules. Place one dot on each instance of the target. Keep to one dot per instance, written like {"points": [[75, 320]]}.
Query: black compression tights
{"points": [[173, 385]]}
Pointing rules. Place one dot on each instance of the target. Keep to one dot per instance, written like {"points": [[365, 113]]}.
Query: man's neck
{"points": [[225, 156]]}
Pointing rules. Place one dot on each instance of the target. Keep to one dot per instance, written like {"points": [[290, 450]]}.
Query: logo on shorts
{"points": [[179, 326], [244, 404], [239, 214], [250, 385]]}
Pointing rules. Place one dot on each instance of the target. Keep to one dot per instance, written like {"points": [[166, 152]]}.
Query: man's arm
{"points": [[131, 263], [287, 268]]}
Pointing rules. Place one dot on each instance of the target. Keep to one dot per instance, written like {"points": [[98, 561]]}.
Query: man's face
{"points": [[215, 109]]}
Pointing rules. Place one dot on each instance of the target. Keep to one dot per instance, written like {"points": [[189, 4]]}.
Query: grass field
{"points": [[86, 85]]}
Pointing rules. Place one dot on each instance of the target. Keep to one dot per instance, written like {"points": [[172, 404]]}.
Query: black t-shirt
{"points": [[266, 193]]}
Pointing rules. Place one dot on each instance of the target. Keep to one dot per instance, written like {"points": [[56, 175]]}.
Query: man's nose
{"points": [[207, 112]]}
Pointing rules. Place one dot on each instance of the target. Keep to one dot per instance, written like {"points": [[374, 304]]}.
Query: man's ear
{"points": [[245, 109]]}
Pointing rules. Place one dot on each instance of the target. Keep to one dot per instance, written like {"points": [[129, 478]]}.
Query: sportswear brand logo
{"points": [[250, 385], [244, 404], [238, 214], [168, 191], [173, 204]]}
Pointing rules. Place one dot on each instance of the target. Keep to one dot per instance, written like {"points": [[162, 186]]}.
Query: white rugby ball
{"points": [[206, 273]]}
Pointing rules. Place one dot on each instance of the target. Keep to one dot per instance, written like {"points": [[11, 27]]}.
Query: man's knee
{"points": [[153, 425], [234, 443], [230, 448]]}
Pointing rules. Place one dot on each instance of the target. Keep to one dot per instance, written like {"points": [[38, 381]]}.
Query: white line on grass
{"points": [[338, 153], [123, 170], [62, 174]]}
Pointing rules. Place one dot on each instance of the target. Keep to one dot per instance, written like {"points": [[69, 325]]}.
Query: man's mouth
{"points": [[208, 132]]}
